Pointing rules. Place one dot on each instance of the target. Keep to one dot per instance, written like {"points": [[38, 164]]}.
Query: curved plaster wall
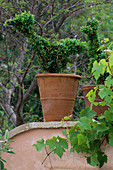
{"points": [[27, 158]]}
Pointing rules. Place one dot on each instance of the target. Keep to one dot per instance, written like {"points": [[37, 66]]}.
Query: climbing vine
{"points": [[88, 135]]}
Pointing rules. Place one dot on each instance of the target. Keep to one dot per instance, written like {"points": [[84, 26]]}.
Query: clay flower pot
{"points": [[57, 94], [98, 109]]}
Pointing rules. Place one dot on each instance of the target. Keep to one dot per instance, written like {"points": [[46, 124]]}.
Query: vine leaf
{"points": [[59, 151], [57, 144], [83, 140], [109, 81], [102, 127], [102, 91], [111, 140], [40, 145], [111, 137], [91, 95], [108, 116], [88, 113], [93, 159], [84, 124], [99, 68], [102, 158]]}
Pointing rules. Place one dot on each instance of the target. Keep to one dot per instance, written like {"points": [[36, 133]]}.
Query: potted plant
{"points": [[89, 136], [95, 52], [57, 96]]}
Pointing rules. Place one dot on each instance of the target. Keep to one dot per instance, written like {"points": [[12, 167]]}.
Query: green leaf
{"points": [[74, 145], [6, 135], [102, 127], [57, 144], [81, 139], [108, 116], [91, 96], [109, 81], [2, 159], [52, 143], [59, 151], [102, 91], [84, 124], [96, 103], [91, 136], [108, 99], [40, 145], [102, 158], [9, 151], [1, 165], [111, 62], [74, 141], [103, 103], [111, 139], [93, 159], [94, 122], [67, 117], [64, 132], [99, 68], [106, 40], [62, 142], [88, 113], [111, 135]]}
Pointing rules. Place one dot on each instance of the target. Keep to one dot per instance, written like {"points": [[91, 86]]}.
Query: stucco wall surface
{"points": [[27, 158]]}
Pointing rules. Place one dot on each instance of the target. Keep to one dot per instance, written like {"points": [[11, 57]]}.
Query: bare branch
{"points": [[30, 90], [52, 19], [90, 5], [61, 21], [9, 112], [19, 107], [52, 10], [82, 6], [41, 29], [28, 67], [47, 155], [3, 88], [7, 60], [74, 6], [20, 62]]}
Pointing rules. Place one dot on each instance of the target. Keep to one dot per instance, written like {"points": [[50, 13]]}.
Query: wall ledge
{"points": [[40, 125]]}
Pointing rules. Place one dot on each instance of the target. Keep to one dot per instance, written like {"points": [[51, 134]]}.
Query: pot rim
{"points": [[88, 87], [57, 75]]}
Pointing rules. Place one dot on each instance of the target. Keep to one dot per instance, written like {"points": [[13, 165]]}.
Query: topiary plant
{"points": [[52, 55], [95, 52], [88, 135]]}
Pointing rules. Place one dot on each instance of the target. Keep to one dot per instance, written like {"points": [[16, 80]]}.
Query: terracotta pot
{"points": [[57, 94], [98, 109]]}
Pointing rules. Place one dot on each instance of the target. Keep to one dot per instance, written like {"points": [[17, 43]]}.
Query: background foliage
{"points": [[53, 20]]}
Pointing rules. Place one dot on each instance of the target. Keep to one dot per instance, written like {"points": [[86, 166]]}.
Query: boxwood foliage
{"points": [[52, 55]]}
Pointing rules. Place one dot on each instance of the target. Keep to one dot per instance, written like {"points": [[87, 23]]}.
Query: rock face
{"points": [[27, 158]]}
